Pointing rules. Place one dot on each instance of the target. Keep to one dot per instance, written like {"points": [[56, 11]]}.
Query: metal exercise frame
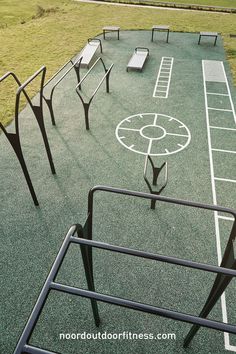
{"points": [[155, 172], [76, 66], [14, 138], [83, 237], [106, 76]]}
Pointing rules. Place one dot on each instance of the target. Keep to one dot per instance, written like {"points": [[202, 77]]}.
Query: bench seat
{"points": [[89, 51], [138, 58]]}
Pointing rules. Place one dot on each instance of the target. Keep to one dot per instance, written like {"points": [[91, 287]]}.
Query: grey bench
{"points": [[161, 28], [111, 29], [208, 34], [138, 58], [89, 51]]}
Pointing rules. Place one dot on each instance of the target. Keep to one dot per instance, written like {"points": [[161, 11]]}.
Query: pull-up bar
{"points": [[76, 67], [14, 138], [79, 235], [106, 76]]}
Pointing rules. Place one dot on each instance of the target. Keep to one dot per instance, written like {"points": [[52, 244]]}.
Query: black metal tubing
{"points": [[148, 196], [106, 76], [228, 260], [14, 138], [94, 40], [73, 236], [142, 49], [31, 323], [155, 171], [76, 67], [161, 30]]}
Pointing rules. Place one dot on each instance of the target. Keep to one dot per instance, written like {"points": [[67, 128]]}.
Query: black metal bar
{"points": [[34, 350], [14, 138], [220, 284], [143, 49], [225, 272], [96, 39], [25, 337], [76, 66], [155, 257], [89, 275], [159, 198], [37, 110], [15, 143], [106, 75], [147, 196], [86, 105], [162, 312], [219, 279]]}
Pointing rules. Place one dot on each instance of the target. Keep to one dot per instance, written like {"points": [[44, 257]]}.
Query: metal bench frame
{"points": [[108, 29], [83, 237], [14, 138], [208, 34], [161, 29]]}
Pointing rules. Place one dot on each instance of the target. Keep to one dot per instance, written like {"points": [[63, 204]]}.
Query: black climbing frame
{"points": [[74, 65], [14, 138], [155, 174], [83, 237], [106, 76]]}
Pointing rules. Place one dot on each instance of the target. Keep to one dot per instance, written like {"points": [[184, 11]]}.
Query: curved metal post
{"points": [[76, 66], [86, 105], [14, 138]]}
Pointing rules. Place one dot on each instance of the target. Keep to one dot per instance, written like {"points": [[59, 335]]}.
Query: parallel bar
{"points": [[156, 257], [220, 326]]}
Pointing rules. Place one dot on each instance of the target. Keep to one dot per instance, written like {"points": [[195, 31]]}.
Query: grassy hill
{"points": [[53, 32]]}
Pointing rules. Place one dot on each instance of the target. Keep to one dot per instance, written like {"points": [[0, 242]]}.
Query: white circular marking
{"points": [[151, 128], [156, 129]]}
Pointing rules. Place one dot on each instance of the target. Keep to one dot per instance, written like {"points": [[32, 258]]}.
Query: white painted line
{"points": [[226, 151], [177, 134], [137, 130], [220, 109], [217, 230], [225, 218], [217, 94], [132, 144], [230, 97], [222, 128], [149, 147], [155, 119], [225, 179], [163, 73]]}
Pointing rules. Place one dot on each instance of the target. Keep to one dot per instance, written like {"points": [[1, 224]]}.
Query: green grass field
{"points": [[60, 33]]}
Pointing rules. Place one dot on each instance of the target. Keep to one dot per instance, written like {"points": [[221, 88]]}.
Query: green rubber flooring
{"points": [[112, 153]]}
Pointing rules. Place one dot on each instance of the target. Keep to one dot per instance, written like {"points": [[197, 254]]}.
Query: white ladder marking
{"points": [[164, 72], [216, 216]]}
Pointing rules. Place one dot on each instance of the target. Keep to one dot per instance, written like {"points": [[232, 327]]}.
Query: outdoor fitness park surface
{"points": [[192, 127]]}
